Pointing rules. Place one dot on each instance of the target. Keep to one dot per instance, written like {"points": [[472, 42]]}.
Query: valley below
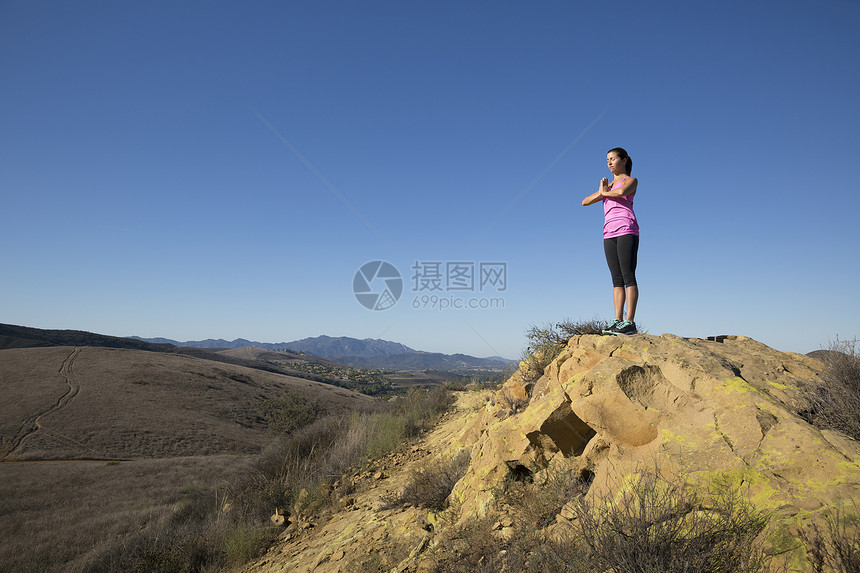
{"points": [[98, 444]]}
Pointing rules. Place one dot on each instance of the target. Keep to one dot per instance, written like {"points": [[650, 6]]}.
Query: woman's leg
{"points": [[611, 250], [618, 297], [628, 252], [632, 300]]}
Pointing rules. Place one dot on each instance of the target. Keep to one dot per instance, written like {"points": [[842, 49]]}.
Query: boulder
{"points": [[722, 411], [278, 518]]}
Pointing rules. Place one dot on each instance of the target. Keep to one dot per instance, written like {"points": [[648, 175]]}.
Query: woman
{"points": [[620, 237]]}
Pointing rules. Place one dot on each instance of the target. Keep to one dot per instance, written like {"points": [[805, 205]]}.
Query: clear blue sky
{"points": [[223, 169]]}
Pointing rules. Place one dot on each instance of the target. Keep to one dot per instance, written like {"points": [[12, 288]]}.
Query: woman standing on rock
{"points": [[620, 237]]}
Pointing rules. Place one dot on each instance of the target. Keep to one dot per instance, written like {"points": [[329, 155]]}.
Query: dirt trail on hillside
{"points": [[33, 424], [365, 523]]}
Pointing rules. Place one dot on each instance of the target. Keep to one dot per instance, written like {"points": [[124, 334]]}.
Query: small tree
{"points": [[290, 412]]}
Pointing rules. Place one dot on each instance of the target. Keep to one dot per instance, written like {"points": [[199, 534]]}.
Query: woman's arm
{"points": [[597, 196], [592, 199], [627, 188]]}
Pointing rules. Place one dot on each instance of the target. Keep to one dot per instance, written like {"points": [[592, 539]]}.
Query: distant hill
{"points": [[12, 336], [426, 361], [331, 347], [215, 343], [360, 353], [69, 402], [323, 346]]}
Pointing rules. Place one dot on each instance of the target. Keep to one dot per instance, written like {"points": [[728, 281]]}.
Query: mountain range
{"points": [[359, 353], [367, 353]]}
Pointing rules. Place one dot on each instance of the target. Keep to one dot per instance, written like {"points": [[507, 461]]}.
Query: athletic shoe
{"points": [[626, 327], [611, 328]]}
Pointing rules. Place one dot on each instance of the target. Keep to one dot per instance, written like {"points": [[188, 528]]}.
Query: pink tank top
{"points": [[619, 218]]}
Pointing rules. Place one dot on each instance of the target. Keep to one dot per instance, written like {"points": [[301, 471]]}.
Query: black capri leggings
{"points": [[621, 253]]}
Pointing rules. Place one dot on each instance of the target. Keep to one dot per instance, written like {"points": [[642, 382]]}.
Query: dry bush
{"points": [[420, 407], [301, 467], [244, 542], [578, 328], [430, 486], [475, 547], [837, 549], [652, 526], [532, 499], [659, 527], [538, 497], [381, 560], [509, 402], [545, 343], [835, 402], [290, 411]]}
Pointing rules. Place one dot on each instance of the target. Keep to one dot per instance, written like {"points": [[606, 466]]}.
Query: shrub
{"points": [[474, 547], [420, 407], [175, 549], [386, 431], [537, 497], [381, 560], [658, 527], [835, 402], [570, 328], [837, 549], [545, 343], [651, 526], [511, 402], [290, 412], [244, 542], [430, 486]]}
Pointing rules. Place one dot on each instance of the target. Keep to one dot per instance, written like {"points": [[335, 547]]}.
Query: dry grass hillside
{"points": [[100, 444], [102, 403]]}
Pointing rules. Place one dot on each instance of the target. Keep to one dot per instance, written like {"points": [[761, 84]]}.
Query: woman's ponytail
{"points": [[622, 154]]}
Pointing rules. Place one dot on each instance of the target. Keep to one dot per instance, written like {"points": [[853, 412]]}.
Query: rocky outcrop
{"points": [[704, 412], [720, 413]]}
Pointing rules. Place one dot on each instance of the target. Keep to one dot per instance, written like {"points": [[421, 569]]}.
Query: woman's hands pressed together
{"points": [[604, 187]]}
